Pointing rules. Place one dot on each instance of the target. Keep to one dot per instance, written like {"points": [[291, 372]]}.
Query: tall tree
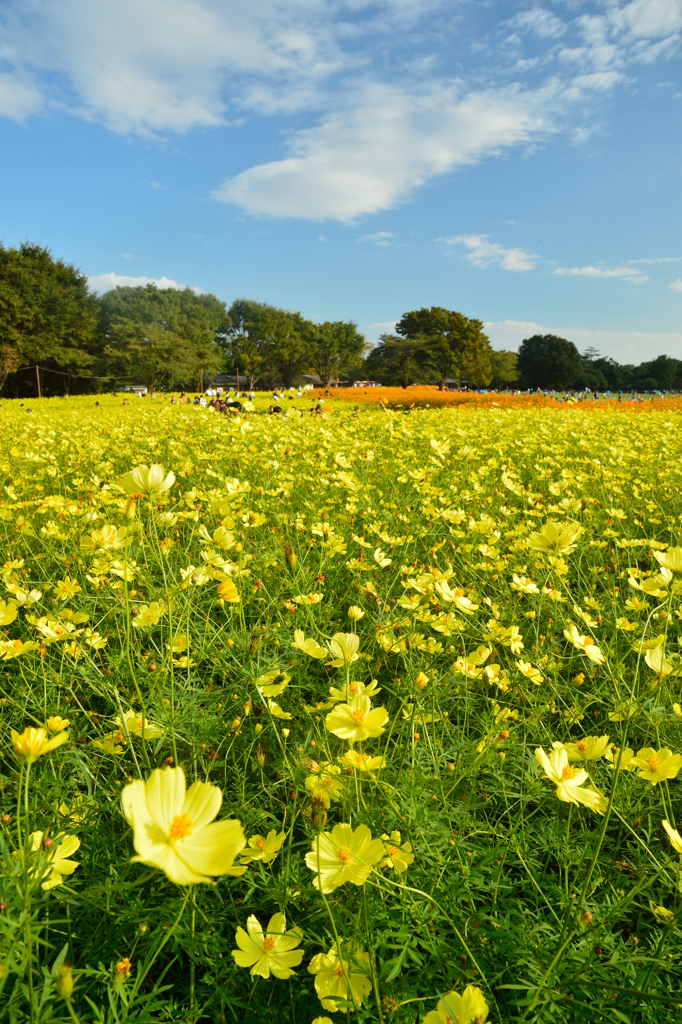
{"points": [[547, 361], [289, 345], [336, 348], [248, 337], [453, 345], [396, 361], [162, 337], [47, 316], [504, 367]]}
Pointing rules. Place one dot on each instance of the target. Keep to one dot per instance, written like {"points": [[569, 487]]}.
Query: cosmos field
{"points": [[366, 716]]}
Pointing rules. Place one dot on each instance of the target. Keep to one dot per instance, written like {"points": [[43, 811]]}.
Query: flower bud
{"points": [[355, 613], [318, 815], [259, 727], [290, 558], [5, 819], [64, 982], [586, 918], [260, 757], [421, 679], [286, 732]]}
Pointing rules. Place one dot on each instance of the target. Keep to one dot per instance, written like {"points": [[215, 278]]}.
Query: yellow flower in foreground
{"points": [[147, 480], [271, 684], [456, 1009], [673, 835], [33, 743], [174, 828], [569, 780], [227, 591], [264, 848], [356, 721], [589, 748], [340, 980], [57, 723], [530, 672], [309, 646], [657, 765], [585, 644], [363, 763], [56, 861], [399, 857], [671, 559], [524, 585], [355, 613], [277, 712], [344, 648], [148, 615], [343, 855], [272, 952], [308, 598], [559, 540], [67, 588], [322, 784]]}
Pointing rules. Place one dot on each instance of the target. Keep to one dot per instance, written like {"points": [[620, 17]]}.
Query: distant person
{"points": [[275, 410]]}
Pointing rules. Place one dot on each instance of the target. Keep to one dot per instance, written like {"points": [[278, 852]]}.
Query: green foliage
{"points": [[452, 345], [396, 361], [161, 337], [546, 361], [46, 314], [335, 348]]}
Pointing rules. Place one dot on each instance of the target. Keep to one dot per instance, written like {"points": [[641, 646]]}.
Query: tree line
{"points": [[58, 337]]}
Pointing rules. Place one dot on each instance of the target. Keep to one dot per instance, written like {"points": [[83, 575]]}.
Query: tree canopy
{"points": [[547, 361], [451, 345]]}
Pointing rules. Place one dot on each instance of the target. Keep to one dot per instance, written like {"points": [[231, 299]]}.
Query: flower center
{"points": [[358, 716], [326, 783], [339, 971], [652, 762], [181, 827], [260, 843], [344, 854], [393, 850], [582, 746], [568, 772], [268, 945], [354, 688]]}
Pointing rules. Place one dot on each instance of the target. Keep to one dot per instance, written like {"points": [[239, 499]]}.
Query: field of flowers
{"points": [[371, 716]]}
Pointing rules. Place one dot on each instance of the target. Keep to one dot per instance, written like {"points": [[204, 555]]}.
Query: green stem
{"points": [[167, 936], [375, 980]]}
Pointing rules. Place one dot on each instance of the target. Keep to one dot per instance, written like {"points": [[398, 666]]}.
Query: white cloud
{"points": [[483, 253], [19, 97], [371, 156], [382, 238], [630, 274], [105, 282], [625, 346], [541, 23], [660, 259], [677, 285], [373, 332]]}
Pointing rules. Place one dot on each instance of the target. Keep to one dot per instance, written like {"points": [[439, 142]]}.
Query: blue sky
{"points": [[516, 161]]}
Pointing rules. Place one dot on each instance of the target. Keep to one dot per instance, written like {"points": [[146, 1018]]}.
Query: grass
{"points": [[424, 523]]}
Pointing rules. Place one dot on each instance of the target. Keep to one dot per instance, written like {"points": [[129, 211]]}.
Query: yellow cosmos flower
{"points": [[343, 855], [355, 613], [589, 748], [109, 538], [530, 672], [308, 598], [272, 683], [339, 981], [112, 743], [270, 953], [344, 648], [399, 857], [457, 597], [277, 712], [557, 540], [671, 559], [524, 585], [657, 765], [662, 914], [657, 661], [569, 780], [356, 721], [148, 615], [309, 646], [322, 783], [585, 644], [57, 723], [147, 480], [8, 612], [67, 588], [33, 743], [137, 726], [227, 591], [361, 762], [264, 848], [627, 759], [456, 1009], [56, 862], [174, 828], [673, 835]]}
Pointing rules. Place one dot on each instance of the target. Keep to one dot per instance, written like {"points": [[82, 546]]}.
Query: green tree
{"points": [[453, 345], [336, 348], [47, 316], [289, 345], [504, 367], [396, 361], [546, 361], [248, 337], [162, 337]]}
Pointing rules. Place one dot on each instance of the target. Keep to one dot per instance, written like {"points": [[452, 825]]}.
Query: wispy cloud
{"points": [[676, 285], [625, 346], [105, 282], [381, 238], [484, 253], [625, 273]]}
